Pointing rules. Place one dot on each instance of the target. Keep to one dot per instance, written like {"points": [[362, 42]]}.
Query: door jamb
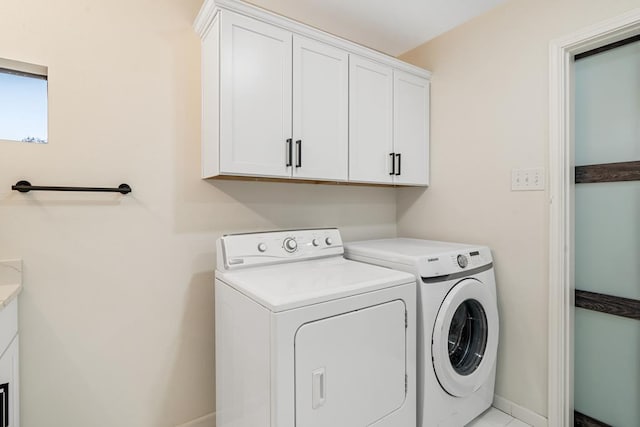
{"points": [[561, 187]]}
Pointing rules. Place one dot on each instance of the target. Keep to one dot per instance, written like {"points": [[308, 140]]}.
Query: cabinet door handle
{"points": [[4, 404], [289, 152], [399, 163], [393, 163], [299, 151]]}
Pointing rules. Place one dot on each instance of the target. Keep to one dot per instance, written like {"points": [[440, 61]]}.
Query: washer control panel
{"points": [[253, 249], [462, 261], [453, 262]]}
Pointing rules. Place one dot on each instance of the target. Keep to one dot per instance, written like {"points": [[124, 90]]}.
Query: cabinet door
{"points": [[320, 110], [9, 386], [370, 121], [255, 97], [411, 128]]}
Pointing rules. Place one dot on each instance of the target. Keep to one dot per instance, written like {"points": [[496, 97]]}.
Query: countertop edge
{"points": [[8, 293]]}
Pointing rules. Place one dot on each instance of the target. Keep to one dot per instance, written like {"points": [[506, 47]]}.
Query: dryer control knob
{"points": [[262, 247], [316, 242], [290, 244], [328, 241], [462, 261]]}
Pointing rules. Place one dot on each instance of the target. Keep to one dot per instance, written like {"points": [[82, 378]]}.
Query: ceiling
{"points": [[392, 27]]}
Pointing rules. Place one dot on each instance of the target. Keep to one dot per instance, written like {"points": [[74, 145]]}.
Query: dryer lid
{"points": [[287, 286]]}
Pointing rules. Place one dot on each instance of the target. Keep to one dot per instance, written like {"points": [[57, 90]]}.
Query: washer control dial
{"points": [[290, 244], [316, 242], [462, 261], [328, 241], [262, 247]]}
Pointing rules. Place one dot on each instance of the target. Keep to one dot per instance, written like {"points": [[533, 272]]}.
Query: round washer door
{"points": [[465, 338]]}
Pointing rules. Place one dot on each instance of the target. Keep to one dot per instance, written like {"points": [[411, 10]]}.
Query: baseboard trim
{"points": [[505, 405], [208, 420], [520, 412]]}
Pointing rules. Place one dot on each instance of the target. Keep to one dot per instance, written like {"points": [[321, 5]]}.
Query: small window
{"points": [[23, 102]]}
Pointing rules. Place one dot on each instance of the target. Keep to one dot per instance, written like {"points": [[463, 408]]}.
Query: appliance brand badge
{"points": [[432, 259]]}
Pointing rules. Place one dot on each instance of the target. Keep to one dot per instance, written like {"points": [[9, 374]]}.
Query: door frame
{"points": [[561, 191]]}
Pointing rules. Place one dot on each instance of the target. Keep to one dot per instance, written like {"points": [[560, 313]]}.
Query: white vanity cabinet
{"points": [[283, 100], [9, 375], [388, 125]]}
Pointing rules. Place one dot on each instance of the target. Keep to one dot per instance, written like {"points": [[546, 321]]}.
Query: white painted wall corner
{"points": [[516, 411], [208, 420]]}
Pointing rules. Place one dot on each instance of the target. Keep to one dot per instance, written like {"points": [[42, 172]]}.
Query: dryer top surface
{"points": [[292, 285]]}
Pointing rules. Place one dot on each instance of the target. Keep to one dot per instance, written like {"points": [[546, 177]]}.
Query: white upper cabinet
{"points": [[320, 110], [370, 121], [284, 100], [255, 97], [389, 125], [411, 129]]}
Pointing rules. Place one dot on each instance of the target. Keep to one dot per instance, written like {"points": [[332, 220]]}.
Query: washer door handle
{"points": [[318, 388]]}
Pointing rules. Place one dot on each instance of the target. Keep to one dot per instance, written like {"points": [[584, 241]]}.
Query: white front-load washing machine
{"points": [[307, 338], [457, 323]]}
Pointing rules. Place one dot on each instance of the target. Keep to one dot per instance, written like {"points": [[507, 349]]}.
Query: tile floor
{"points": [[495, 418]]}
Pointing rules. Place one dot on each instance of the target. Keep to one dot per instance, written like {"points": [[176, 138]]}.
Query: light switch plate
{"points": [[527, 179]]}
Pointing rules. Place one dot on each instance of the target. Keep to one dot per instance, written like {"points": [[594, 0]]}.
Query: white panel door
{"points": [[255, 97], [350, 369], [320, 110], [411, 128], [370, 121]]}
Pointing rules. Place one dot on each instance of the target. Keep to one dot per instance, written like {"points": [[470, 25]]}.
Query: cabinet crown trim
{"points": [[210, 9], [205, 18]]}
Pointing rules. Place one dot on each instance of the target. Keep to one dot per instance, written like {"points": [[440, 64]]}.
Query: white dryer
{"points": [[307, 338], [457, 323]]}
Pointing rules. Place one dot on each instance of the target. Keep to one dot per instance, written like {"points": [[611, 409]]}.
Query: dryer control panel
{"points": [[275, 247]]}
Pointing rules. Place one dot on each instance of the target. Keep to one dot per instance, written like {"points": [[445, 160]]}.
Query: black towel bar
{"points": [[25, 187]]}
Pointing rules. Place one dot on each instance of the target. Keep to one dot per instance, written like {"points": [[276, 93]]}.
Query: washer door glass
{"points": [[467, 337]]}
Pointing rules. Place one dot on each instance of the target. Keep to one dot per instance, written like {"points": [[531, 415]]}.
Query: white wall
{"points": [[490, 114], [116, 318]]}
